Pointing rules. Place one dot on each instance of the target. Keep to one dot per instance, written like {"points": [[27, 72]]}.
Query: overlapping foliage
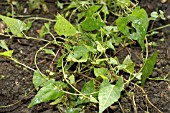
{"points": [[84, 44]]}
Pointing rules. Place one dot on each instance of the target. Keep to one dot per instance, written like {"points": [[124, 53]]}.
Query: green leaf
{"points": [[38, 79], [92, 10], [94, 100], [87, 89], [154, 15], [100, 72], [50, 91], [58, 100], [140, 21], [3, 45], [72, 79], [105, 11], [117, 40], [121, 23], [114, 61], [34, 4], [16, 26], [60, 5], [90, 24], [79, 51], [49, 51], [108, 30], [99, 61], [82, 59], [108, 94], [128, 65], [162, 15], [109, 44], [80, 16], [59, 61], [74, 110], [7, 53], [91, 49], [37, 4], [138, 75], [105, 83], [148, 68], [123, 3], [45, 29], [100, 48], [28, 25], [64, 27], [73, 4], [80, 54], [68, 47]]}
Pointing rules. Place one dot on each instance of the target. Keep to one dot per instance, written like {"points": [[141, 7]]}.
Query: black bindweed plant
{"points": [[83, 52]]}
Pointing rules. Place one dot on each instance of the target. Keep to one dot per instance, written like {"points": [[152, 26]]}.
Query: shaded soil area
{"points": [[16, 81]]}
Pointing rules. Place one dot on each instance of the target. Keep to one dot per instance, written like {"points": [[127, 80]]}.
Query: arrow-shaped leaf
{"points": [[16, 26], [108, 94], [50, 91], [148, 68]]}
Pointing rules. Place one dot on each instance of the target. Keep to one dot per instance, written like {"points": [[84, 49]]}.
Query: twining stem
{"points": [[16, 61], [65, 78], [89, 77], [33, 38], [11, 104], [159, 78], [35, 58], [146, 46], [79, 94], [40, 18], [26, 37], [121, 107], [146, 96], [168, 25]]}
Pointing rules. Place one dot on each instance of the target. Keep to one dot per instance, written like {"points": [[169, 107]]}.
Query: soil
{"points": [[16, 81]]}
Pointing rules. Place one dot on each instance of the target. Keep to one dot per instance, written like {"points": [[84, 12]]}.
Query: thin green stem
{"points": [[73, 12], [40, 18], [168, 25], [52, 35], [71, 93], [116, 14], [146, 45], [10, 104], [78, 94], [146, 96], [161, 79], [65, 78], [33, 38], [121, 107], [25, 36], [16, 61], [35, 58]]}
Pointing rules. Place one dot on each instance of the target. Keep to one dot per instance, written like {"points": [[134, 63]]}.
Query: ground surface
{"points": [[16, 81]]}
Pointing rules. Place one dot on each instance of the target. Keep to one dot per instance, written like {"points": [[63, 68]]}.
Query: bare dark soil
{"points": [[16, 81]]}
